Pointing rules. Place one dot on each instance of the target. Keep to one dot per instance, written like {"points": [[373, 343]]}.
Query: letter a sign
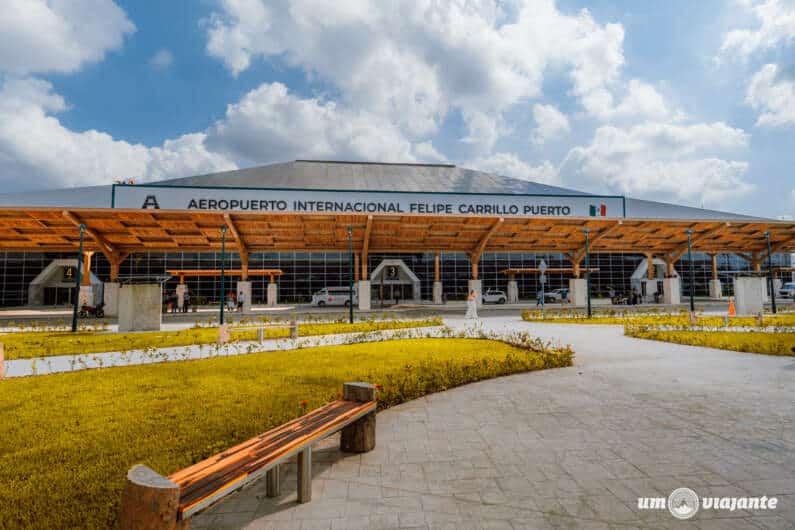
{"points": [[150, 202]]}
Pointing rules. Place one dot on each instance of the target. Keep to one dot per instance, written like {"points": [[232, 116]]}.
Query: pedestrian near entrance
{"points": [[241, 296], [472, 305]]}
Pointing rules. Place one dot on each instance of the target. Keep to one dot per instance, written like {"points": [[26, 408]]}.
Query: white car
{"points": [[493, 296], [787, 290], [556, 295], [334, 296]]}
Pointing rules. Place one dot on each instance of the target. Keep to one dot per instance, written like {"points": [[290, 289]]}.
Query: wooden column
{"points": [[356, 266], [437, 274], [114, 270], [757, 264], [575, 268], [714, 261], [86, 280], [359, 436], [243, 267], [149, 500], [669, 268], [474, 261], [650, 266]]}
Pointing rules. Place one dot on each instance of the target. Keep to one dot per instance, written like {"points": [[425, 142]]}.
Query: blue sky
{"points": [[688, 102]]}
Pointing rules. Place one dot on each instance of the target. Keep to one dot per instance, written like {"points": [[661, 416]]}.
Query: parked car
{"points": [[787, 290], [493, 296], [334, 296], [556, 295]]}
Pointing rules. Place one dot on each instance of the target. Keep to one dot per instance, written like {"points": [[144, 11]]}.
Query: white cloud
{"points": [[270, 124], [58, 36], [411, 63], [663, 162], [551, 124], [772, 96], [776, 25], [509, 165], [36, 148], [426, 152], [641, 102], [162, 59]]}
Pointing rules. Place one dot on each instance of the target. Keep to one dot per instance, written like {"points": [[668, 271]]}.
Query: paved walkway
{"points": [[567, 448]]}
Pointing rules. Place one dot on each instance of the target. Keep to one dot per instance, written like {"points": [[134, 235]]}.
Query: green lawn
{"points": [[752, 342], [28, 344], [67, 440]]}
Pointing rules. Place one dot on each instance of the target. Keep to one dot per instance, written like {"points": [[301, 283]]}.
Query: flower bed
{"points": [[67, 440], [657, 319], [751, 341], [29, 344]]}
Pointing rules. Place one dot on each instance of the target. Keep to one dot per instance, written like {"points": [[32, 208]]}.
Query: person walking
{"points": [[472, 306], [241, 297]]}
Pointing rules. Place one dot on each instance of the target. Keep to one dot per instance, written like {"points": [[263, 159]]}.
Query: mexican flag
{"points": [[598, 210]]}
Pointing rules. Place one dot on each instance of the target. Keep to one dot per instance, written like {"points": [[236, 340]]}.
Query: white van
{"points": [[334, 296], [787, 290]]}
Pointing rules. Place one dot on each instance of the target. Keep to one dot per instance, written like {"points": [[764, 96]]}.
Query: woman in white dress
{"points": [[472, 305]]}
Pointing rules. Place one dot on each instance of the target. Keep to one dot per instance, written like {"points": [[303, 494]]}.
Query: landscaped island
{"points": [[29, 344], [67, 440]]}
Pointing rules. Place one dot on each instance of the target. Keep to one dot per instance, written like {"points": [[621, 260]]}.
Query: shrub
{"points": [[652, 319], [68, 439]]}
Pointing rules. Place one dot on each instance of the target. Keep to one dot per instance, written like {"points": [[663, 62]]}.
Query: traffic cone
{"points": [[732, 311]]}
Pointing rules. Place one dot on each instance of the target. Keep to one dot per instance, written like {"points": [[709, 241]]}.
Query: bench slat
{"points": [[220, 474], [184, 476], [231, 464]]}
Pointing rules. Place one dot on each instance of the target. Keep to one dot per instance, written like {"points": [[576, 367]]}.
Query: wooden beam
{"points": [[679, 250], [649, 266], [778, 247], [106, 247], [580, 253], [368, 227], [481, 246]]}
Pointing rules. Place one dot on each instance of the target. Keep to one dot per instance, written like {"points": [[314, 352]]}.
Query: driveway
{"points": [[565, 448]]}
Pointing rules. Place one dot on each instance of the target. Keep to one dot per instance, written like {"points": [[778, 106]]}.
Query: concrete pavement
{"points": [[566, 448]]}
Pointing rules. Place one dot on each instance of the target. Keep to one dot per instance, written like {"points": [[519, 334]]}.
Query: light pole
{"points": [[692, 270], [223, 264], [79, 279], [587, 232], [350, 279], [771, 281]]}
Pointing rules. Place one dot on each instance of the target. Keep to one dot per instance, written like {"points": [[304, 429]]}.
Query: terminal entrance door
{"points": [[58, 295]]}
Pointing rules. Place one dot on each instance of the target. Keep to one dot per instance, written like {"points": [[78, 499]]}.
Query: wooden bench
{"points": [[152, 501], [226, 329]]}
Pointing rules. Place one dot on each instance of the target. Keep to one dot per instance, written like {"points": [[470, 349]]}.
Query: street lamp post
{"points": [[223, 264], [771, 281], [79, 279], [350, 279], [692, 270], [587, 232]]}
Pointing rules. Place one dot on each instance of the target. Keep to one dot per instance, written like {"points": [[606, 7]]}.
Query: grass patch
{"points": [[751, 342], [28, 344], [67, 440], [679, 319]]}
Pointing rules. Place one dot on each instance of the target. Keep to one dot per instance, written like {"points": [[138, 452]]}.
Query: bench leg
{"points": [[359, 436], [305, 475], [273, 487], [149, 500]]}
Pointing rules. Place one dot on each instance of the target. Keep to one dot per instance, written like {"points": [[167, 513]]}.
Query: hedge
{"points": [[28, 344], [67, 440]]}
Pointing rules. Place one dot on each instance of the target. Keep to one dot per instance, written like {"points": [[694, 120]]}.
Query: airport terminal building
{"points": [[365, 189]]}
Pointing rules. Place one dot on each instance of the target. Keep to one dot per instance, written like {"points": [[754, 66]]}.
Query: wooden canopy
{"points": [[118, 232], [536, 270]]}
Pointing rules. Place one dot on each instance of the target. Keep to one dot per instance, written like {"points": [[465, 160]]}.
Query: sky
{"points": [[678, 101]]}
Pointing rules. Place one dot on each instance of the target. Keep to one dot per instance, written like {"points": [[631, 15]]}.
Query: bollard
{"points": [[293, 328], [359, 436], [223, 334]]}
